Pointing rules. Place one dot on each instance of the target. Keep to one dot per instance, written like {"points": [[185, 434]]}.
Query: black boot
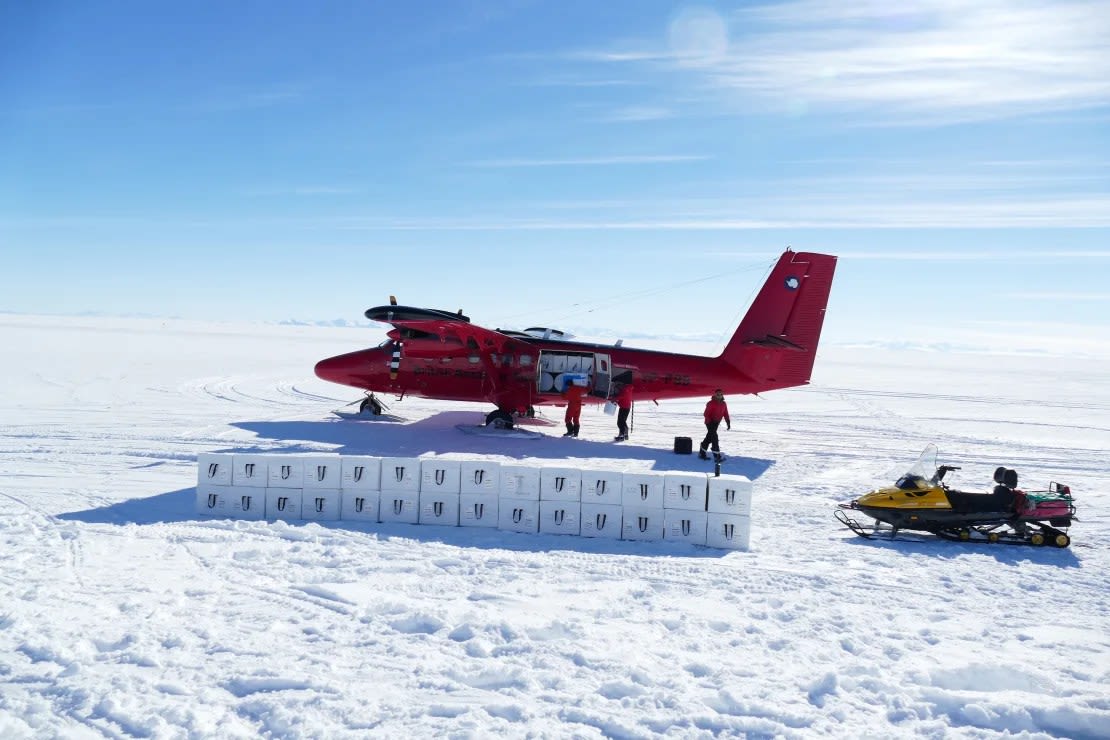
{"points": [[702, 455], [570, 431], [574, 432]]}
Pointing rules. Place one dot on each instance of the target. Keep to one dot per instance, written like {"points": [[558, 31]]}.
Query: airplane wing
{"points": [[443, 324]]}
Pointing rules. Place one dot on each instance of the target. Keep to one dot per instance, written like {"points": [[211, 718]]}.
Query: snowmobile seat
{"points": [[999, 474], [963, 502], [1009, 479]]}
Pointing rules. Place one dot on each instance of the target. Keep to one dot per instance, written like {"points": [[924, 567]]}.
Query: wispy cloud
{"points": [[298, 190], [249, 99], [1061, 296], [638, 113], [635, 159], [984, 256], [899, 62]]}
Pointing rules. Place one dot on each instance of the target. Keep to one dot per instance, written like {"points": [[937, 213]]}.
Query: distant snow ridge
{"points": [[694, 508]]}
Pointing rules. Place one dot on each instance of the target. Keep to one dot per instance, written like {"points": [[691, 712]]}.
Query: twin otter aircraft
{"points": [[441, 355]]}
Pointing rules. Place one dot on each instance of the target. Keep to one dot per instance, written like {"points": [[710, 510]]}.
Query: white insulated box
{"points": [[642, 523], [480, 476], [440, 476], [235, 502], [518, 515], [728, 531], [685, 491], [322, 472], [730, 494], [360, 473], [212, 500], [250, 470], [478, 510], [560, 517], [560, 484], [285, 472], [400, 474], [520, 482], [601, 520], [358, 505], [684, 525], [400, 506], [214, 469], [321, 504], [643, 490], [283, 503], [602, 487], [439, 508]]}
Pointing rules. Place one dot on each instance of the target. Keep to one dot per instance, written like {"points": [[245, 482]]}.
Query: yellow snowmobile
{"points": [[921, 501]]}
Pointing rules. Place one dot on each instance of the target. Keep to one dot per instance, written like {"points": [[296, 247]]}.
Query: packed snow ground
{"points": [[123, 614]]}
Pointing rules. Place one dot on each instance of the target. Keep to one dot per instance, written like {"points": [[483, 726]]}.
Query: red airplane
{"points": [[441, 355]]}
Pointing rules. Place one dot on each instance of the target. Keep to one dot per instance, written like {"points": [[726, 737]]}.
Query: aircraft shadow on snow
{"points": [[438, 434]]}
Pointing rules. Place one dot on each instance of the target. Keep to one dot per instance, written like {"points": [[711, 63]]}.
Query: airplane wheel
{"points": [[1061, 540], [499, 419], [372, 405], [1036, 539], [992, 537]]}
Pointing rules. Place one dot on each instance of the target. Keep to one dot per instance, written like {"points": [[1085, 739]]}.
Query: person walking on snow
{"points": [[624, 406], [573, 394], [715, 411]]}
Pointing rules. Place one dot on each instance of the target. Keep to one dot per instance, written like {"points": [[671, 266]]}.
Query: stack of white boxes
{"points": [[560, 500], [601, 503], [553, 499], [361, 489], [729, 512], [518, 505], [480, 487], [642, 502], [400, 486]]}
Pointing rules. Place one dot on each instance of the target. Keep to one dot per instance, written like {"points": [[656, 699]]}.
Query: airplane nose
{"points": [[336, 369]]}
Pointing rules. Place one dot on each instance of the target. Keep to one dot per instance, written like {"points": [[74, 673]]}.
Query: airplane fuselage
{"points": [[515, 380]]}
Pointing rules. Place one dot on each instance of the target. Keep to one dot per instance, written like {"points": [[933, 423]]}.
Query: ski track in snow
{"points": [[122, 614]]}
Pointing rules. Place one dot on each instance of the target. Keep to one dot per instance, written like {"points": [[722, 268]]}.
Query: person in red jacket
{"points": [[715, 412], [624, 406], [573, 394]]}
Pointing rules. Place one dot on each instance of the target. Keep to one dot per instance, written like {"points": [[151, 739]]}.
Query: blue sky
{"points": [[631, 167]]}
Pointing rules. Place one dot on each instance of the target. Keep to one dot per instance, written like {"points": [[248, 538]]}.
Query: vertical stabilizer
{"points": [[776, 342]]}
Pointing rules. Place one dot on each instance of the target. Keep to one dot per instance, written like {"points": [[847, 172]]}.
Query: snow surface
{"points": [[123, 614]]}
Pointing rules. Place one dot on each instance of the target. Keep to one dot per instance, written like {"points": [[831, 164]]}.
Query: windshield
{"points": [[921, 472]]}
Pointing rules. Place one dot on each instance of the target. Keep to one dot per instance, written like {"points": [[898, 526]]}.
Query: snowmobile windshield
{"points": [[919, 474]]}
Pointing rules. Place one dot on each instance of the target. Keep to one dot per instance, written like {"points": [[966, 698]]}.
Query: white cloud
{"points": [[591, 161], [903, 63]]}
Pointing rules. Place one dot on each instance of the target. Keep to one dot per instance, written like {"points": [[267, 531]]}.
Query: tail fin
{"points": [[776, 342]]}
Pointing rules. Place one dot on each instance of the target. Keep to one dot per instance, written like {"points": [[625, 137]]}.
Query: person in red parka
{"points": [[716, 411], [624, 407], [573, 394]]}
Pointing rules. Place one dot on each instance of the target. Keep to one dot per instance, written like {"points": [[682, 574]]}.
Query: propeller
{"points": [[395, 361]]}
